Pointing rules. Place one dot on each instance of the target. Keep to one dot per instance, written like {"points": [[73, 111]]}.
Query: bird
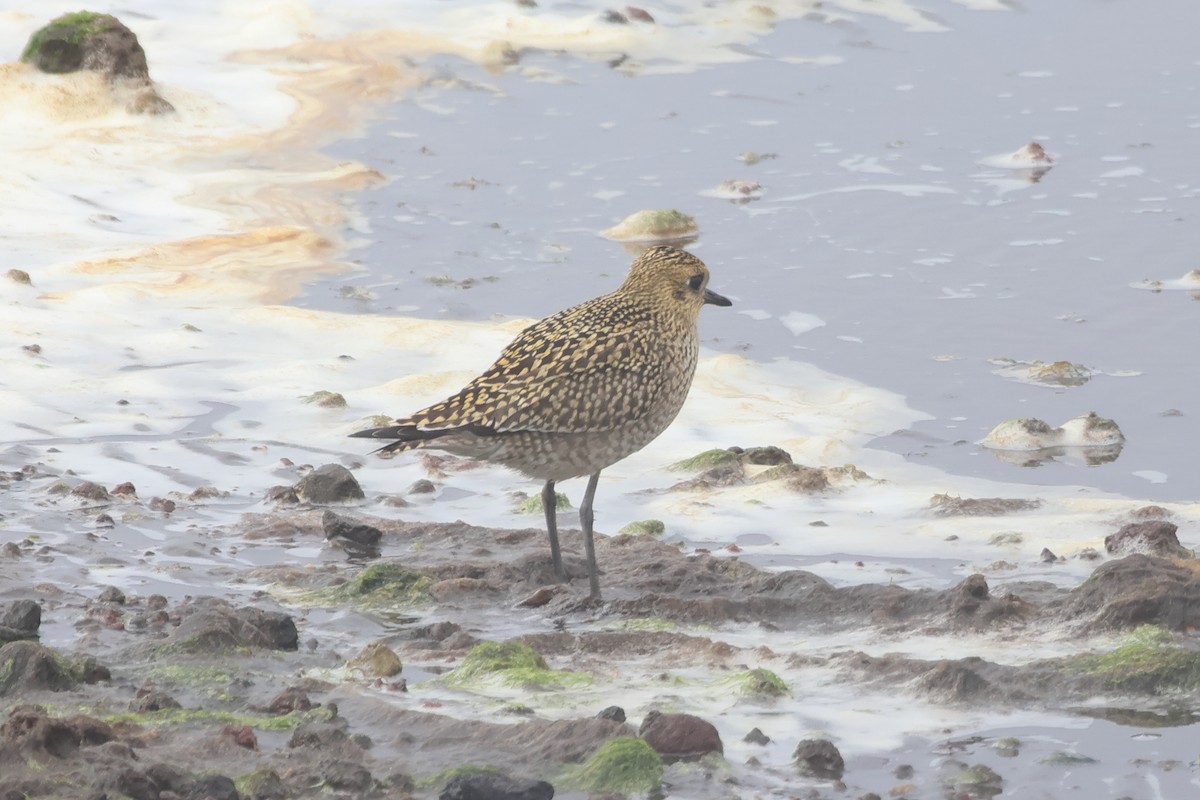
{"points": [[578, 391]]}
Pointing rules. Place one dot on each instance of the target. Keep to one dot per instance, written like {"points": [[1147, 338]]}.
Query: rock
{"points": [[290, 699], [153, 701], [263, 784], [19, 276], [36, 734], [1132, 591], [756, 736], [422, 486], [330, 483], [770, 456], [680, 736], [819, 758], [213, 787], [209, 624], [92, 491], [137, 785], [21, 620], [282, 495], [112, 594], [349, 533], [495, 786], [376, 660], [946, 506], [615, 713], [1155, 538], [28, 666]]}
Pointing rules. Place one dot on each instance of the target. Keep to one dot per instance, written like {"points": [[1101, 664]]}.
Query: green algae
{"points": [[81, 24], [1147, 661], [705, 460], [264, 782], [643, 527], [386, 583], [626, 764], [167, 717], [533, 504], [466, 770], [511, 664], [757, 683]]}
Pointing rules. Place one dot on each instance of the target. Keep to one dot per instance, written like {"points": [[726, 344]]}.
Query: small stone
{"points": [[495, 786], [376, 660], [112, 594], [330, 483], [615, 713], [422, 486], [679, 737], [290, 699], [756, 736], [19, 276], [819, 758]]}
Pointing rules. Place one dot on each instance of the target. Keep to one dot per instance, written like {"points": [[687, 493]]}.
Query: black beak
{"points": [[715, 299]]}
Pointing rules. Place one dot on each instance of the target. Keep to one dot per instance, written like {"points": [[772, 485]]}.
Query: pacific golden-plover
{"points": [[580, 390]]}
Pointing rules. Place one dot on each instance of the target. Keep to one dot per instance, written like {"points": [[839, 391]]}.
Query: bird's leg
{"points": [[549, 505], [589, 546]]}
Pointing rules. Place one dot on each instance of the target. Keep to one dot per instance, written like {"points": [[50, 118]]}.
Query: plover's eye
{"points": [[695, 282]]}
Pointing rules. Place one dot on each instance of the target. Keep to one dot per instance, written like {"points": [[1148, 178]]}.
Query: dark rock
{"points": [[209, 624], [349, 533], [1132, 591], [819, 758], [28, 666], [290, 699], [423, 486], [153, 701], [125, 488], [112, 594], [680, 736], [494, 786], [39, 736], [169, 778], [615, 713], [21, 620], [137, 785], [331, 483], [263, 784], [283, 495], [755, 736], [345, 776], [319, 735], [91, 491], [87, 40], [766, 456], [1047, 556], [1155, 538], [213, 787]]}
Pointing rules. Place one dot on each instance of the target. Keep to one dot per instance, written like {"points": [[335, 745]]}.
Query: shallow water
{"points": [[879, 217], [890, 256]]}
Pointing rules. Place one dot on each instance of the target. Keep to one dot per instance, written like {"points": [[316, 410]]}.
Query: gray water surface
{"points": [[877, 215]]}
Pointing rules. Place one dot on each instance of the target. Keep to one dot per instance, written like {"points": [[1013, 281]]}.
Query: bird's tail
{"points": [[405, 436]]}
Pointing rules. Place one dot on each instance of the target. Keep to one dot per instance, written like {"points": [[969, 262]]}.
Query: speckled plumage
{"points": [[581, 389]]}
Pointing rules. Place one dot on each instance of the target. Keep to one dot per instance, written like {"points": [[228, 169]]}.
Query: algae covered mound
{"points": [[626, 764], [511, 664]]}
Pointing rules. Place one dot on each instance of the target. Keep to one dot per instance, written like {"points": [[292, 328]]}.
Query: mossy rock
{"points": [[1147, 661], [533, 504], [87, 40], [647, 624], [626, 764], [386, 583], [757, 683], [644, 527], [706, 460], [511, 664], [326, 399]]}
